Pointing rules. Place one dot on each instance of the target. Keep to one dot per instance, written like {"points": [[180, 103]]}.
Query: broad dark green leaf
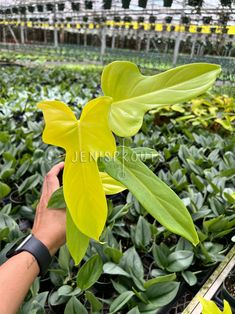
{"points": [[179, 260]]}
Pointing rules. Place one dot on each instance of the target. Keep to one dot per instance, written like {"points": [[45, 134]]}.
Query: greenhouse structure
{"points": [[117, 156]]}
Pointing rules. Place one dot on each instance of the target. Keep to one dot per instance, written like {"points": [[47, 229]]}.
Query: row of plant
{"points": [[152, 60], [141, 266]]}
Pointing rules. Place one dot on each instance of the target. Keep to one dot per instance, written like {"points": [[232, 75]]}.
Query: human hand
{"points": [[50, 224]]}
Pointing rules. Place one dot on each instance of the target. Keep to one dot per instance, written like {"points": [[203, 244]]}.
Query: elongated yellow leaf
{"points": [[84, 141], [77, 242], [110, 185], [134, 94]]}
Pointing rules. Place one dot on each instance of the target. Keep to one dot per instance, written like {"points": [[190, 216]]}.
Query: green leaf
{"points": [[77, 242], [113, 269], [30, 183], [95, 303], [57, 199], [114, 254], [75, 307], [4, 190], [132, 262], [179, 260], [142, 233], [163, 293], [145, 153], [154, 195], [135, 310], [165, 278], [134, 94], [90, 272], [189, 277], [120, 301]]}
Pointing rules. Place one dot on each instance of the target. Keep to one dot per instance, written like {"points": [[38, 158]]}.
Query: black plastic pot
{"points": [[140, 19], [185, 20], [22, 10], [85, 18], [15, 10], [8, 11], [226, 3], [75, 6], [49, 7], [195, 3], [143, 3], [126, 4], [107, 4], [167, 3], [207, 19], [60, 6], [31, 8], [152, 19], [40, 7], [228, 291], [168, 19], [127, 19], [117, 19], [88, 5]]}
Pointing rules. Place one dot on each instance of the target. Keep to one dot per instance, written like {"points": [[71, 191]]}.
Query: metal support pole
{"points": [[22, 39], [113, 40], [13, 34], [147, 43], [193, 46], [103, 42]]}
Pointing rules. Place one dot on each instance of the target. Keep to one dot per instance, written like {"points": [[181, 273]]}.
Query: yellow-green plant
{"points": [[128, 95], [209, 307]]}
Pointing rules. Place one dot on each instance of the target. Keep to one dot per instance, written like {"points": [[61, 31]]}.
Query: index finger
{"points": [[56, 169]]}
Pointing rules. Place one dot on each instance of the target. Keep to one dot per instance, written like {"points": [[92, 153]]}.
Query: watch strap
{"points": [[37, 249]]}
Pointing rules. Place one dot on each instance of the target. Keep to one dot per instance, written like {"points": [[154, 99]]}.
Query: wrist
{"points": [[51, 246]]}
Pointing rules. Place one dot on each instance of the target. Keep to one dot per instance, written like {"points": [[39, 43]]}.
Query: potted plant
{"points": [[152, 19], [127, 19], [50, 7], [31, 8], [8, 11], [185, 20], [107, 4], [195, 3], [40, 7], [75, 6], [22, 10], [143, 3], [167, 3], [207, 19], [228, 290], [168, 19], [117, 18], [88, 5], [96, 19], [140, 19], [60, 6], [126, 4], [226, 3], [15, 10], [85, 18]]}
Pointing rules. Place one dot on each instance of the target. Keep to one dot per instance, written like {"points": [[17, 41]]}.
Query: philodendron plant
{"points": [[128, 95]]}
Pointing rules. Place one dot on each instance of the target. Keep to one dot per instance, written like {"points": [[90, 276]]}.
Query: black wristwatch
{"points": [[37, 249]]}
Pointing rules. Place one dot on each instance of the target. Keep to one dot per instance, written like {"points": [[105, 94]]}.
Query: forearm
{"points": [[16, 277]]}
